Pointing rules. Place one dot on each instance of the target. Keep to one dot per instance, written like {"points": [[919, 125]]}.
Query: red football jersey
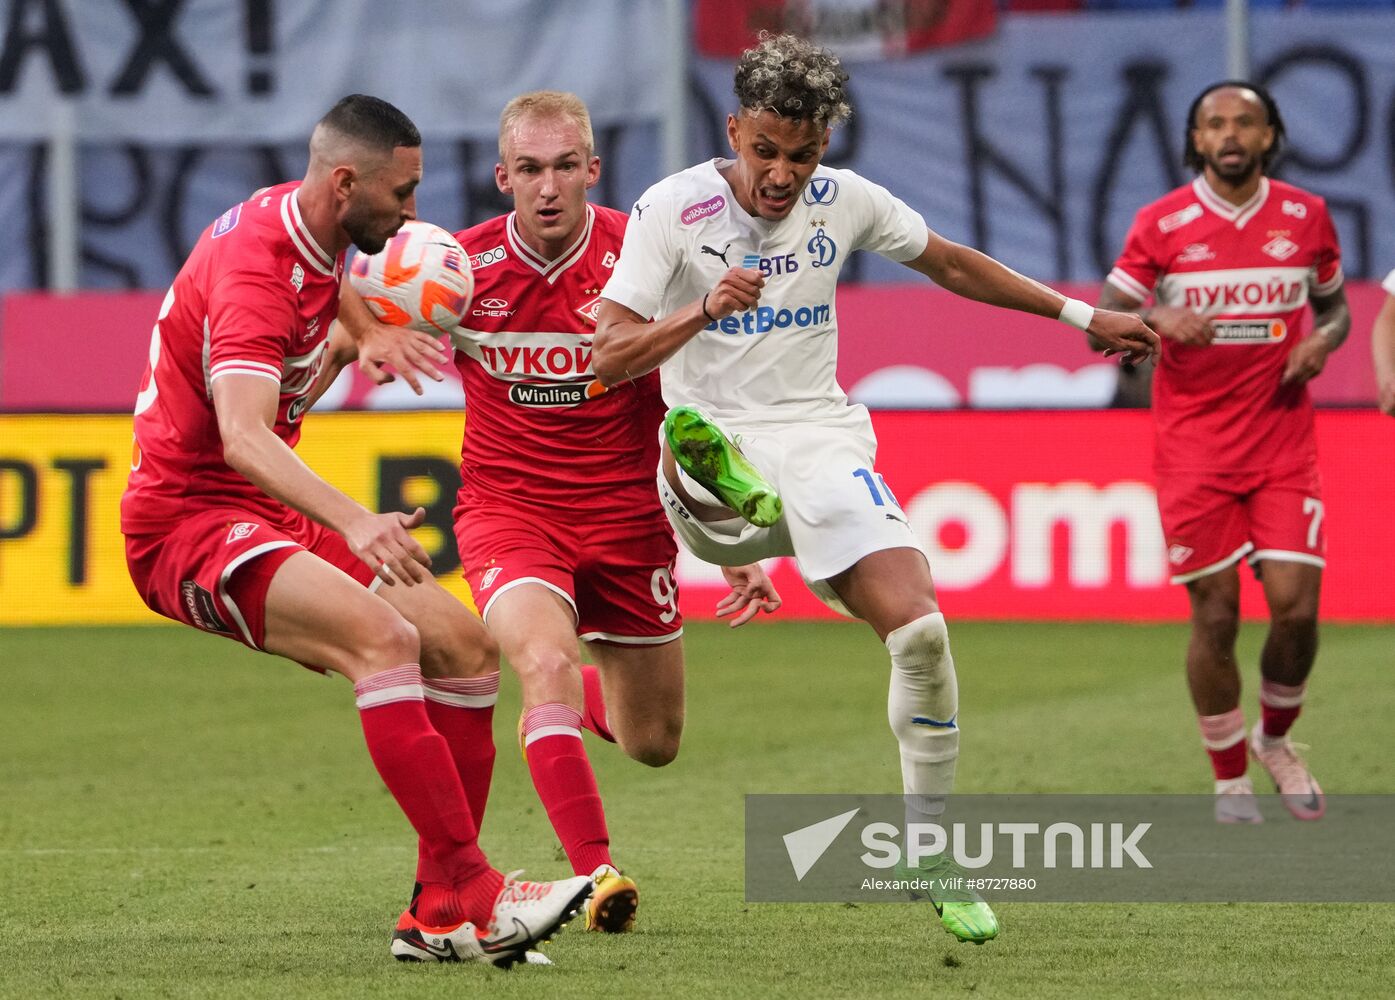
{"points": [[256, 297], [1250, 268], [539, 427]]}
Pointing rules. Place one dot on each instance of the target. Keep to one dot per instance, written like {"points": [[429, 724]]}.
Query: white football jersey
{"points": [[777, 362]]}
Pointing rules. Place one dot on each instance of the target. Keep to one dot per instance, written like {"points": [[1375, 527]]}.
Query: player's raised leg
{"points": [[316, 614], [707, 457], [536, 630], [1213, 678], [460, 681], [893, 591], [1291, 589]]}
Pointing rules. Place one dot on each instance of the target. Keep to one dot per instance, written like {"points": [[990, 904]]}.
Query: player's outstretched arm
{"points": [[409, 352], [974, 275], [751, 592], [1383, 348], [1331, 324], [627, 346], [246, 407]]}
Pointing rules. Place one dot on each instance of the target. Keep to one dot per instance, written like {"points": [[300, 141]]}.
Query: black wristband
{"points": [[704, 308]]}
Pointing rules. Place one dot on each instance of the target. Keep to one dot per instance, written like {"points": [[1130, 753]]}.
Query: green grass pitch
{"points": [[180, 817]]}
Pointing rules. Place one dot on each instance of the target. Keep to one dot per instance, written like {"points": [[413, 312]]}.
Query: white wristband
{"points": [[1078, 314]]}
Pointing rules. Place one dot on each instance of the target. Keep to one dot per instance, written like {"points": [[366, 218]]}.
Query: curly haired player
{"points": [[736, 262]]}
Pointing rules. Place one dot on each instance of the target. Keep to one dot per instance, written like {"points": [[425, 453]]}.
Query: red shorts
{"points": [[617, 577], [213, 569], [1213, 520]]}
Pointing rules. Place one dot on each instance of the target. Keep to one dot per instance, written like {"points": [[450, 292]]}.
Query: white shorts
{"points": [[836, 508]]}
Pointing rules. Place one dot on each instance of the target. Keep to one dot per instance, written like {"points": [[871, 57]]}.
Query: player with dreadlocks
{"points": [[1232, 262]]}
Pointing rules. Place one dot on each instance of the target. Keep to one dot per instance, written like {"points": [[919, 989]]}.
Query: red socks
{"points": [[566, 785], [1279, 705], [1224, 738], [462, 710], [416, 765]]}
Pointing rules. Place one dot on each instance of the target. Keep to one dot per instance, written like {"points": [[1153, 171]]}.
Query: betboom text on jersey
{"points": [[763, 319]]}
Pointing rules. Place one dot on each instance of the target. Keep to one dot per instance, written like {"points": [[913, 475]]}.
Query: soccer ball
{"points": [[421, 279]]}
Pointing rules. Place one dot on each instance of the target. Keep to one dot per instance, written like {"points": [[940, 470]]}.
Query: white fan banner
{"points": [[266, 70]]}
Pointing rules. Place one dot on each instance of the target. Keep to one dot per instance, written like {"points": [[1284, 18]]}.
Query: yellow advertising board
{"points": [[62, 559]]}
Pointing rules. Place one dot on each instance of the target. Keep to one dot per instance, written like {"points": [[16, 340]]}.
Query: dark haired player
{"points": [[737, 261], [229, 532], [1232, 261]]}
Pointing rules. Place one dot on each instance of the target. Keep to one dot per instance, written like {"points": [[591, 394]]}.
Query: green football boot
{"points": [[710, 457], [962, 911]]}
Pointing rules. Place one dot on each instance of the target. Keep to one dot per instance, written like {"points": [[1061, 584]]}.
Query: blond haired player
{"points": [[561, 534]]}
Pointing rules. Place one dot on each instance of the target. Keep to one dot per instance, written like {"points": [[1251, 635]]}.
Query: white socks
{"points": [[923, 709]]}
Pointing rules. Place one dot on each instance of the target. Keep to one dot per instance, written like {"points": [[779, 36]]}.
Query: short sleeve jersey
{"points": [[776, 362], [1250, 269], [539, 427], [256, 297]]}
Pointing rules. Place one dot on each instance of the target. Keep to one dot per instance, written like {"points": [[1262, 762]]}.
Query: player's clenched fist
{"points": [[1123, 333], [737, 291], [384, 543]]}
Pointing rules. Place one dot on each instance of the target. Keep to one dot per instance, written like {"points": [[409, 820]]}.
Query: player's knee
{"points": [[1217, 620], [1299, 615], [924, 637], [461, 647], [657, 754], [379, 641], [656, 747], [921, 648], [548, 666]]}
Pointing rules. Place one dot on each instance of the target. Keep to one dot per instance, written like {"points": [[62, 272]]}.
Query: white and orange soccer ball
{"points": [[421, 279]]}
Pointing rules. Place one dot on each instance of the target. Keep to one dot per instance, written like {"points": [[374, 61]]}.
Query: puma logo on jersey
{"points": [[722, 253]]}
